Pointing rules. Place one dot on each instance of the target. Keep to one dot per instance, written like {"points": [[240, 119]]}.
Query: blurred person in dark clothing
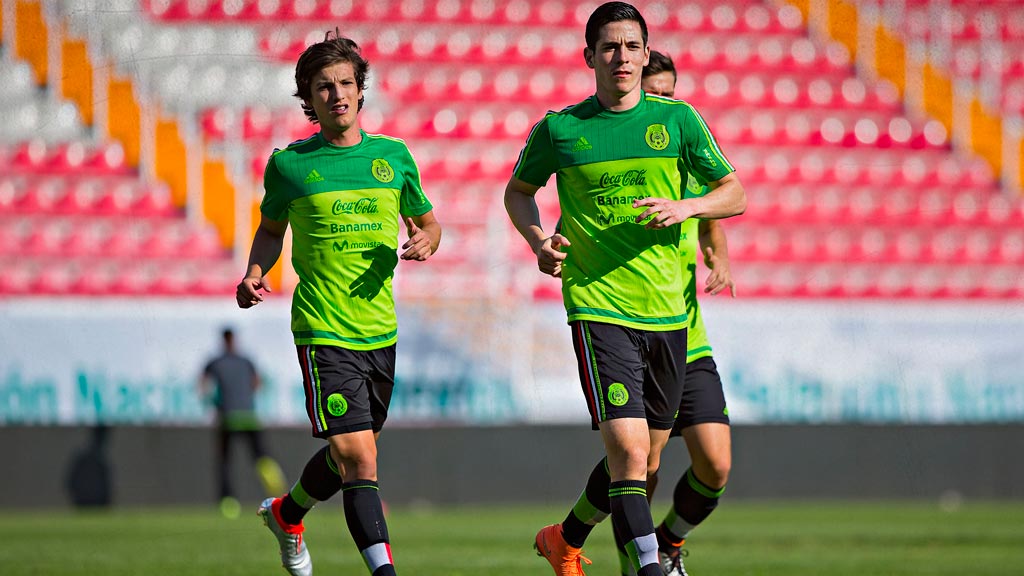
{"points": [[230, 380]]}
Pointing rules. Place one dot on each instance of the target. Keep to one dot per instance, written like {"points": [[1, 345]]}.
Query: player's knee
{"points": [[360, 464], [629, 463], [652, 474], [719, 472], [652, 470]]}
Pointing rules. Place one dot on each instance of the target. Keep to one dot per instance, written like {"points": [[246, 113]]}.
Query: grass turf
{"points": [[742, 538]]}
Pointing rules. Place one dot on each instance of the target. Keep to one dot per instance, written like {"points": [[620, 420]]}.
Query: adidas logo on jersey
{"points": [[582, 145], [313, 176]]}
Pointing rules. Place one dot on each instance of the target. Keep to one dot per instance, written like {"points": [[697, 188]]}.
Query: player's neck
{"points": [[619, 103], [349, 137]]}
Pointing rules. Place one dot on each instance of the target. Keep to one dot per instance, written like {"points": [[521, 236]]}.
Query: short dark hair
{"points": [[612, 12], [659, 63], [334, 49]]}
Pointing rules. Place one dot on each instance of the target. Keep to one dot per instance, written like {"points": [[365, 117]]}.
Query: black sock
{"points": [[364, 515], [692, 502], [631, 515], [625, 564], [319, 481], [591, 507]]}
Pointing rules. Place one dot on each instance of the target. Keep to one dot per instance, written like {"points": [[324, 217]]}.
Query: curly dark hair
{"points": [[334, 49]]}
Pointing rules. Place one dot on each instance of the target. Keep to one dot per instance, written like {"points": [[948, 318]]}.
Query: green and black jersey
{"points": [[617, 271], [697, 344], [343, 206]]}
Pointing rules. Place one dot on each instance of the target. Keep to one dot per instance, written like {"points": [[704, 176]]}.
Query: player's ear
{"points": [[647, 55], [588, 56]]}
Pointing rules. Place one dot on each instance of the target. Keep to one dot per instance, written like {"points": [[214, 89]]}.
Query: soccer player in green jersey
{"points": [[703, 419], [620, 160], [342, 191]]}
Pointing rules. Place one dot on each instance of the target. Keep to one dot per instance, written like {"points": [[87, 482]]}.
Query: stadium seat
{"points": [[847, 193]]}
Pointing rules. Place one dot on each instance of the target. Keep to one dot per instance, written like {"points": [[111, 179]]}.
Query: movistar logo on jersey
{"points": [[346, 245], [657, 136], [361, 206], [627, 178], [313, 177], [612, 219], [382, 171], [581, 145]]}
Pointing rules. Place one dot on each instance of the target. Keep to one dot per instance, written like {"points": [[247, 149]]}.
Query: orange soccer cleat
{"points": [[565, 559]]}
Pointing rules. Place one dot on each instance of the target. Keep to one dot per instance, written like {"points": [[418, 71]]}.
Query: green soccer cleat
{"points": [[294, 555]]}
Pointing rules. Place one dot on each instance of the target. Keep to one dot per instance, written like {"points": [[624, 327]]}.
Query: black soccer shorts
{"points": [[346, 390], [630, 373], [703, 398]]}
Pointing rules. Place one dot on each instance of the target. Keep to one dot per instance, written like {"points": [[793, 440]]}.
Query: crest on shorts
{"points": [[337, 405], [617, 394], [657, 136], [382, 171]]}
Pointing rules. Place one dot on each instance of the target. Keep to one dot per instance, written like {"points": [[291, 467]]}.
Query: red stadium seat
{"points": [[57, 277], [14, 232], [18, 277], [137, 279], [89, 238], [48, 238], [30, 155], [201, 243]]}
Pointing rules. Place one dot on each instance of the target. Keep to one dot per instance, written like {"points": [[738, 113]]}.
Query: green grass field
{"points": [[742, 538]]}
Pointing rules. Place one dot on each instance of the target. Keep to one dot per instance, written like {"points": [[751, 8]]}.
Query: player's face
{"points": [[335, 99], [660, 84], [618, 58]]}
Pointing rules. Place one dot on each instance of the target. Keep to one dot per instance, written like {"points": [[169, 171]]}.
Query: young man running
{"points": [[621, 160], [703, 418], [342, 191]]}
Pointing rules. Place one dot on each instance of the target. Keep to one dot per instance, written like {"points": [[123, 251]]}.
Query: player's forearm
{"points": [[712, 235], [725, 200], [266, 249], [522, 211], [433, 231]]}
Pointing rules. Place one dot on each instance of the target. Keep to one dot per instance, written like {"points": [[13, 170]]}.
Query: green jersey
{"points": [[697, 344], [618, 271], [343, 206]]}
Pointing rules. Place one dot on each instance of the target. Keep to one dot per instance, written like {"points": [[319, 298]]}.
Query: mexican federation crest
{"points": [[382, 171], [657, 136]]}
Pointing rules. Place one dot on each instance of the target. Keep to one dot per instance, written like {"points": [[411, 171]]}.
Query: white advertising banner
{"points": [[831, 361], [138, 361], [78, 361]]}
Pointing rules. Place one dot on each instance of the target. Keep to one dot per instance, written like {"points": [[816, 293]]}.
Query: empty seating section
{"points": [[850, 195], [986, 42], [76, 219]]}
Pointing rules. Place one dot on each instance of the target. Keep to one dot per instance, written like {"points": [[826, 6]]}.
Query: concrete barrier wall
{"points": [[541, 464]]}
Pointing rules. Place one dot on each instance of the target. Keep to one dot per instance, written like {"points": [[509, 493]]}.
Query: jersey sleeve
{"points": [[700, 152], [537, 161], [275, 197], [412, 201]]}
